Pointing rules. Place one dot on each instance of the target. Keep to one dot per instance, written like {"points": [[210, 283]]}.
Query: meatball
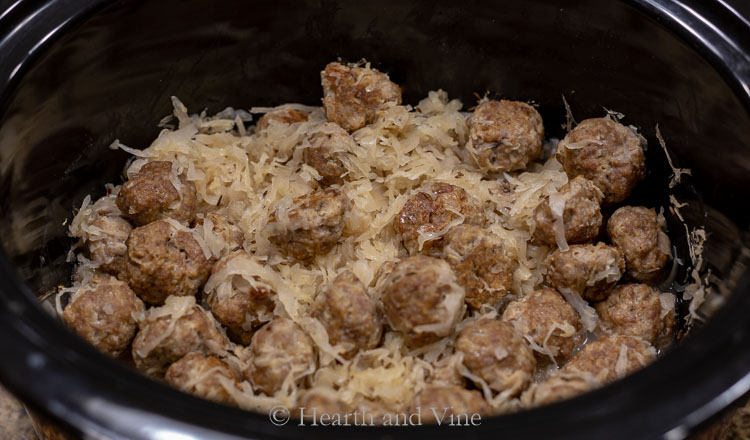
{"points": [[495, 352], [220, 230], [204, 376], [349, 314], [279, 350], [151, 195], [638, 232], [172, 331], [101, 312], [241, 302], [313, 403], [286, 116], [428, 215], [611, 357], [505, 135], [324, 153], [445, 372], [354, 96], [637, 310], [106, 244], [547, 319], [558, 387], [576, 205], [591, 270], [163, 261], [422, 299], [439, 402], [480, 262], [607, 153], [312, 225]]}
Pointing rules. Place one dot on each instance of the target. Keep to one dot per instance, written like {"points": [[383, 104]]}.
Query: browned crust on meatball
{"points": [[636, 310], [505, 135], [349, 315], [354, 96], [607, 153], [102, 314], [591, 270], [560, 386], [540, 316], [600, 358], [162, 261], [439, 402], [480, 262], [313, 403], [286, 116], [431, 211], [495, 352], [150, 195], [636, 230], [108, 247], [327, 145], [581, 215], [316, 222], [202, 375], [422, 291], [279, 349]]}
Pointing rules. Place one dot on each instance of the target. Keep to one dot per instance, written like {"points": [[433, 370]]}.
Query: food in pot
{"points": [[638, 231]]}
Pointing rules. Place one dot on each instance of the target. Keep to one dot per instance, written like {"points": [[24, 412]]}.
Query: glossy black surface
{"points": [[71, 85]]}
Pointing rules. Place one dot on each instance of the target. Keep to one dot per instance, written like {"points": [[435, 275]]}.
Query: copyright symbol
{"points": [[279, 415]]}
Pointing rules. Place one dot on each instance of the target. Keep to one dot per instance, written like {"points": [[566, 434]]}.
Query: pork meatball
{"points": [[324, 153], [638, 231], [428, 215], [106, 244], [354, 96], [278, 351], [285, 116], [163, 261], [439, 402], [422, 299], [574, 210], [204, 376], [547, 319], [607, 153], [221, 233], [151, 195], [311, 226], [495, 352], [170, 332], [560, 386], [102, 311], [239, 301], [591, 270], [349, 314], [611, 357], [505, 135], [480, 262], [313, 403], [637, 310]]}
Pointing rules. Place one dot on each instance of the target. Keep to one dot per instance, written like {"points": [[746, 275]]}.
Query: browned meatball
{"points": [[101, 312], [240, 302], [591, 270], [546, 318], [637, 310], [607, 153], [430, 213], [576, 206], [204, 376], [313, 403], [611, 357], [354, 96], [163, 261], [150, 195], [495, 352], [279, 350], [422, 300], [558, 387], [349, 314], [638, 232], [480, 262], [286, 116], [221, 233], [505, 135], [172, 331], [106, 244], [312, 226], [439, 402], [325, 150]]}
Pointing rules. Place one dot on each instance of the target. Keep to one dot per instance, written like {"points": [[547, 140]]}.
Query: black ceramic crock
{"points": [[75, 75]]}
